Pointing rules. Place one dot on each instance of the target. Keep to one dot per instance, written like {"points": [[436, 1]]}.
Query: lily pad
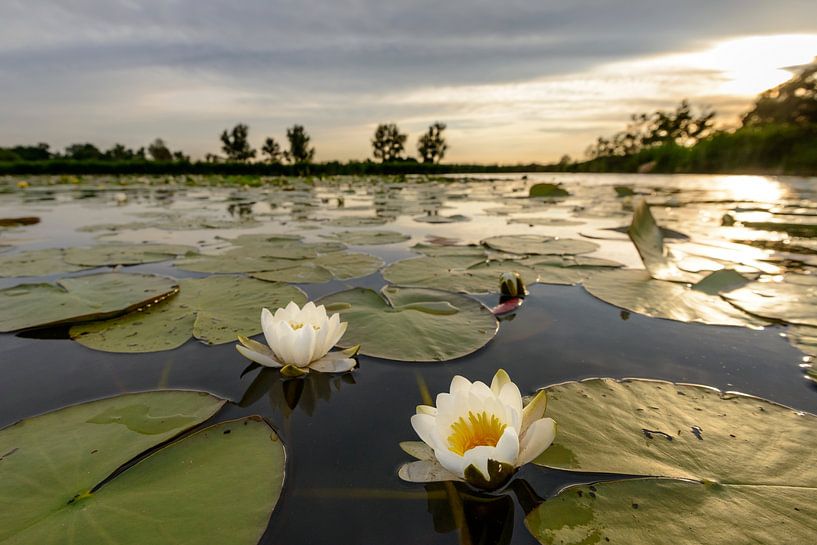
{"points": [[357, 221], [547, 190], [36, 263], [411, 324], [80, 299], [214, 310], [368, 238], [539, 245], [636, 291], [467, 274], [436, 218], [649, 241], [125, 254], [793, 300], [340, 265], [745, 461], [550, 222], [62, 476]]}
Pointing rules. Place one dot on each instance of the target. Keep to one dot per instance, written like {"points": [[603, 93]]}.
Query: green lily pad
{"points": [[79, 299], [214, 310], [368, 238], [340, 265], [36, 263], [721, 281], [357, 221], [636, 291], [793, 300], [746, 465], [61, 477], [410, 324], [649, 241], [467, 274], [550, 222], [125, 254], [547, 190], [539, 245], [435, 218], [804, 338]]}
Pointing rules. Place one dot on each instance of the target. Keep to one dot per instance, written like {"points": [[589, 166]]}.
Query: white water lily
{"points": [[478, 434], [299, 340]]}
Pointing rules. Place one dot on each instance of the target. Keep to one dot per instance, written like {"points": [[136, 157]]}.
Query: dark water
{"points": [[342, 433]]}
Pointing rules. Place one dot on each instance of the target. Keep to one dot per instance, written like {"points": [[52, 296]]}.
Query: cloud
{"points": [[503, 74]]}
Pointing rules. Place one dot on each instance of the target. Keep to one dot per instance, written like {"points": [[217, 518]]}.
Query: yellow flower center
{"points": [[480, 430]]}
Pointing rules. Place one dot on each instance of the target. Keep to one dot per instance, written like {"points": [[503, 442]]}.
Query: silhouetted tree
{"points": [[299, 150], [681, 126], [83, 152], [432, 145], [793, 102], [121, 153], [159, 151], [235, 144], [181, 157], [388, 143], [272, 150], [40, 152]]}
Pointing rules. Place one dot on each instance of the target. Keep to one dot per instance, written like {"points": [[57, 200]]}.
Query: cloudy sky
{"points": [[515, 80]]}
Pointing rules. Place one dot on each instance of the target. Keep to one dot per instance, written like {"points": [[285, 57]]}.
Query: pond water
{"points": [[342, 432]]}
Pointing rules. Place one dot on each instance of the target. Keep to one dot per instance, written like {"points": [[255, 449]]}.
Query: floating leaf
{"points": [[368, 238], [36, 263], [61, 474], [214, 310], [636, 291], [435, 218], [409, 324], [721, 281], [793, 300], [649, 241], [547, 190], [340, 265], [748, 460], [357, 221], [79, 299], [103, 255], [20, 221], [468, 274], [539, 245], [551, 222]]}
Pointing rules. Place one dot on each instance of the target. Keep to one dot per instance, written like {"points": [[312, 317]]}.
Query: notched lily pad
{"points": [[214, 310], [793, 300], [368, 238], [539, 245], [746, 461], [547, 190], [649, 241], [61, 474], [410, 324], [636, 291], [80, 299], [36, 263], [112, 254]]}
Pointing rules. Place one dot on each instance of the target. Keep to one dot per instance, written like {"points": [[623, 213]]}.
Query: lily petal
{"points": [[258, 357], [538, 437], [534, 410], [500, 379], [425, 471], [330, 364], [423, 425]]}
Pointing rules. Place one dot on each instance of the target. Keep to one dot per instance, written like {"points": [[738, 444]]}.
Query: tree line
{"points": [[777, 134], [388, 145]]}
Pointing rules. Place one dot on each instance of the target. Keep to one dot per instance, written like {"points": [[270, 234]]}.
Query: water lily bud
{"points": [[511, 285]]}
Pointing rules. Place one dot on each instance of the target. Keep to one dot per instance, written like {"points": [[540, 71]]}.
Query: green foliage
{"points": [[388, 143], [792, 102], [83, 152], [681, 127], [159, 151], [235, 144], [272, 150], [432, 145], [299, 150]]}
